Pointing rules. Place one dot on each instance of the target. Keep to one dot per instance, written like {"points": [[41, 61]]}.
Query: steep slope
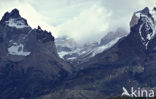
{"points": [[129, 63], [135, 47], [120, 32], [29, 63]]}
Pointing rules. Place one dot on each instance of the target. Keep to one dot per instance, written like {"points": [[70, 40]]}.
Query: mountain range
{"points": [[69, 50], [30, 66]]}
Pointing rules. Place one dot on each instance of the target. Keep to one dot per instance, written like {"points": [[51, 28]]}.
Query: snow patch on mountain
{"points": [[100, 49], [62, 54], [87, 51], [137, 15], [18, 49], [72, 58], [140, 31], [16, 23], [148, 26]]}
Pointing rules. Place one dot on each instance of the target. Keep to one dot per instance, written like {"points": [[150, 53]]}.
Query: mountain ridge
{"points": [[29, 63], [31, 68], [129, 63]]}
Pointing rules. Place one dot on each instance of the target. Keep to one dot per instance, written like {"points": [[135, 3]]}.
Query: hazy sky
{"points": [[83, 20]]}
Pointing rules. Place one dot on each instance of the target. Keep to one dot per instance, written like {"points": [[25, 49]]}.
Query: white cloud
{"points": [[88, 26], [151, 3], [84, 20]]}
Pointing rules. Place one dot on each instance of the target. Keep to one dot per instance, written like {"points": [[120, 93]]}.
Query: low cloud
{"points": [[83, 20], [88, 26]]}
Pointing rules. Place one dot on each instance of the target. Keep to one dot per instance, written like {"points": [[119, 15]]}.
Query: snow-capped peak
{"points": [[13, 19], [147, 25]]}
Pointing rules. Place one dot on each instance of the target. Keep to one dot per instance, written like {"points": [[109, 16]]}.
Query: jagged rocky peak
{"points": [[13, 14], [26, 51], [18, 38], [13, 19], [44, 35], [136, 16], [144, 22], [145, 11], [39, 28]]}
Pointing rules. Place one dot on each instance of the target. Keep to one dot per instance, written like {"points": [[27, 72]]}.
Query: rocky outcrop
{"points": [[29, 63]]}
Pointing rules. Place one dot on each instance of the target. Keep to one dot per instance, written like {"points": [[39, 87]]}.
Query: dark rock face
{"points": [[145, 11], [29, 63], [44, 36]]}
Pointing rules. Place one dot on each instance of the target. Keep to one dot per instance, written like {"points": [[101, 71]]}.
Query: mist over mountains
{"points": [[84, 21], [35, 65], [69, 50]]}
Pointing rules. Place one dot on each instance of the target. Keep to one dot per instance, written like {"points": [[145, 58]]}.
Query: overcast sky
{"points": [[83, 20]]}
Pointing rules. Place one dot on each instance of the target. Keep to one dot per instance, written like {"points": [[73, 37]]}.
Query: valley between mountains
{"points": [[35, 65]]}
